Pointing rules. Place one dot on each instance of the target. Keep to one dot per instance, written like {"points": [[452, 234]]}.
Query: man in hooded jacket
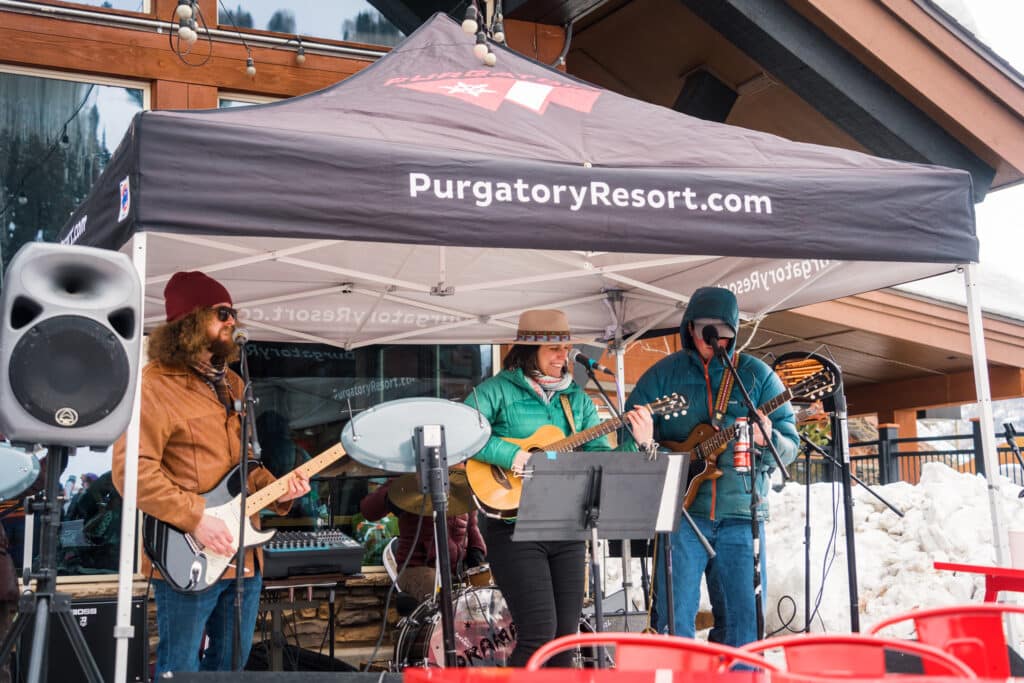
{"points": [[722, 506]]}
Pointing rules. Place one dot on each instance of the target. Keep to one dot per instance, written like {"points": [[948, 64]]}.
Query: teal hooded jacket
{"points": [[686, 373]]}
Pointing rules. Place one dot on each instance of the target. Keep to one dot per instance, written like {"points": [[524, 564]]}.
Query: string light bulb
{"points": [[64, 139], [250, 67], [499, 31], [470, 24], [185, 31], [490, 59], [300, 54], [184, 10], [480, 50], [22, 199]]}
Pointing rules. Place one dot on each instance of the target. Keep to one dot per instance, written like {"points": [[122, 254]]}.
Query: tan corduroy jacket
{"points": [[187, 443]]}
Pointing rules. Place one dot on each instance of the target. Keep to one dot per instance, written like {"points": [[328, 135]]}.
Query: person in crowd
{"points": [[190, 438], [281, 455], [542, 582], [466, 547], [722, 507], [74, 506]]}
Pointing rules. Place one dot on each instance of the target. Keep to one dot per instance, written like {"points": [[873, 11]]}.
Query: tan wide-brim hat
{"points": [[542, 326]]}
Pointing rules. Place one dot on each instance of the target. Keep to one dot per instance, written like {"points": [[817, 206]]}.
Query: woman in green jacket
{"points": [[542, 582]]}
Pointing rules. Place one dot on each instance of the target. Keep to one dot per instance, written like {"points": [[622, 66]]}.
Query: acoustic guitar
{"points": [[184, 563], [705, 444], [497, 491]]}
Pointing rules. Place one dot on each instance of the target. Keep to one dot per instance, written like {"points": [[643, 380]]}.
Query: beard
{"points": [[224, 348]]}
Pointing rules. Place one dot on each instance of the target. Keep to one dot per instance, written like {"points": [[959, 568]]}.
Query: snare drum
{"points": [[479, 576], [484, 632]]}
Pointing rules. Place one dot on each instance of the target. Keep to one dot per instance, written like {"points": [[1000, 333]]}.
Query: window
{"points": [[357, 21], [305, 393], [57, 134]]}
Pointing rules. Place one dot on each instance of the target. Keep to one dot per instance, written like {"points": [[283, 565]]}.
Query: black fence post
{"points": [[888, 456], [979, 452]]}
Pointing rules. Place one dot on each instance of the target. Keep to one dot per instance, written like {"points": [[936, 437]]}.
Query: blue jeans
{"points": [[182, 618], [730, 579]]}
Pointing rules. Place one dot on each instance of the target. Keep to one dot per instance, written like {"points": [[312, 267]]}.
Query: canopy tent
{"points": [[429, 199]]}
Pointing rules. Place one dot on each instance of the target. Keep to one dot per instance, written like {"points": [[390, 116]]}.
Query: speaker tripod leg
{"points": [[77, 640], [39, 640], [21, 621]]}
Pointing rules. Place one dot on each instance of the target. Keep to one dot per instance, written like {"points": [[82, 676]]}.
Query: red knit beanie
{"points": [[187, 291]]}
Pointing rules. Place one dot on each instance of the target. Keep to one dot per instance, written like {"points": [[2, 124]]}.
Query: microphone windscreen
{"points": [[241, 336]]}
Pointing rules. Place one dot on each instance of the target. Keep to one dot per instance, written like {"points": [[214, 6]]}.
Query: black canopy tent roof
{"points": [[430, 199]]}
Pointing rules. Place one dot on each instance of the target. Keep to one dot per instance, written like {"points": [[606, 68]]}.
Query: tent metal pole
{"points": [[981, 383], [123, 629]]}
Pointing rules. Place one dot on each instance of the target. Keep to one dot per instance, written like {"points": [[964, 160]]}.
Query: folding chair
{"points": [[972, 633], [650, 652], [828, 655]]}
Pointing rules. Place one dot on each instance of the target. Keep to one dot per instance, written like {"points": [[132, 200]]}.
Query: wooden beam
{"points": [[933, 324], [931, 392], [146, 55]]}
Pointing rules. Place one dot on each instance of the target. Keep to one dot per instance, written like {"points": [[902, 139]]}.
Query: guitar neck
{"points": [[574, 441], [258, 500], [726, 435]]}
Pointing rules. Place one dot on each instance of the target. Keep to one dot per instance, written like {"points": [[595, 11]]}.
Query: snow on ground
{"points": [[946, 519]]}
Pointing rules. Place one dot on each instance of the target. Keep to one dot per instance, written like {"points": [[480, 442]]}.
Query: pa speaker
{"points": [[69, 345], [96, 617]]}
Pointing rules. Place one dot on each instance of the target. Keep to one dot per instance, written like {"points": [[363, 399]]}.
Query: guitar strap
{"points": [[567, 409], [722, 400]]}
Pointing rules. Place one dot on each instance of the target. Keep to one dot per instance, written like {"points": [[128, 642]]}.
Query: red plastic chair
{"points": [[971, 633], [852, 655], [650, 652]]}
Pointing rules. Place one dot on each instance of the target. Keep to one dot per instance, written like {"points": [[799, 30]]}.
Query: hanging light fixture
{"points": [[470, 24]]}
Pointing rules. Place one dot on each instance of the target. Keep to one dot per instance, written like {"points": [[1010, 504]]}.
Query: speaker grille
{"points": [[69, 371]]}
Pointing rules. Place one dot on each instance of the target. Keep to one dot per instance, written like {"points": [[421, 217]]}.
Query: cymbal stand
{"points": [[432, 466]]}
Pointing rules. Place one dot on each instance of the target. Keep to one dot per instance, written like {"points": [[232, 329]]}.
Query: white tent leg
{"points": [[123, 629], [981, 383]]}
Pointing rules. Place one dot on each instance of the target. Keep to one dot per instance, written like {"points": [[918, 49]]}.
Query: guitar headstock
{"points": [[669, 406], [817, 386]]}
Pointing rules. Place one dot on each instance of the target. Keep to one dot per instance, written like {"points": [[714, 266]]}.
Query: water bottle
{"points": [[741, 449]]}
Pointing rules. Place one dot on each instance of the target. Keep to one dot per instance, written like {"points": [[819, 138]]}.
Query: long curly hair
{"points": [[179, 342]]}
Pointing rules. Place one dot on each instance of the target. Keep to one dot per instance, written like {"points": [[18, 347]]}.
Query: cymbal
{"points": [[346, 466], [405, 495]]}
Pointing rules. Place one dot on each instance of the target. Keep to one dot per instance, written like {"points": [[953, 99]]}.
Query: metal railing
{"points": [[890, 458]]}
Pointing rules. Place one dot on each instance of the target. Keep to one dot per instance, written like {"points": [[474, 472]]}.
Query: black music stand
{"points": [[600, 494]]}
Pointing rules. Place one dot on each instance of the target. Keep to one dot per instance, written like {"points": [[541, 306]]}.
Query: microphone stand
{"points": [[248, 437], [665, 539], [755, 499]]}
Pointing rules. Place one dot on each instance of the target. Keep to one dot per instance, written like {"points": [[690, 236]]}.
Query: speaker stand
{"points": [[35, 607]]}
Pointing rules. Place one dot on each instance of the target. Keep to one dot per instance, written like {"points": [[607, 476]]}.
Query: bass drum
{"points": [[484, 632]]}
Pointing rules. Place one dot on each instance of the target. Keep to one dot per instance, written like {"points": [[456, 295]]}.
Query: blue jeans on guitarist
{"points": [[183, 618], [730, 579]]}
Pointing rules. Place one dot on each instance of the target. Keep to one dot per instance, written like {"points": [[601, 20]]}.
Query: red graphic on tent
{"points": [[490, 92]]}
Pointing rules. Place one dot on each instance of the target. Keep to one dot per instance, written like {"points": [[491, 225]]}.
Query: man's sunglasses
{"points": [[225, 312]]}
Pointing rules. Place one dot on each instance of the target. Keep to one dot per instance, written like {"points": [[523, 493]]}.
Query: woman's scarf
{"points": [[548, 386]]}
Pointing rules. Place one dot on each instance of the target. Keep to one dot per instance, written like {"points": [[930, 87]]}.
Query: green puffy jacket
{"points": [[516, 410]]}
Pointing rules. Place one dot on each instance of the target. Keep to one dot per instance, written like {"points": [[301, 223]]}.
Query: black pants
{"points": [[542, 584]]}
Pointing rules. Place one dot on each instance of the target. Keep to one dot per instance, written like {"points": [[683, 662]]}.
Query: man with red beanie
{"points": [[190, 438]]}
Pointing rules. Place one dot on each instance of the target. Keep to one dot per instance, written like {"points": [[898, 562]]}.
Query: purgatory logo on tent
{"points": [[489, 89]]}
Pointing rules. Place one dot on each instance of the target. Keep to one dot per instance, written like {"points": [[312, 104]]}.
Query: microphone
{"points": [[240, 336], [577, 357], [710, 335]]}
